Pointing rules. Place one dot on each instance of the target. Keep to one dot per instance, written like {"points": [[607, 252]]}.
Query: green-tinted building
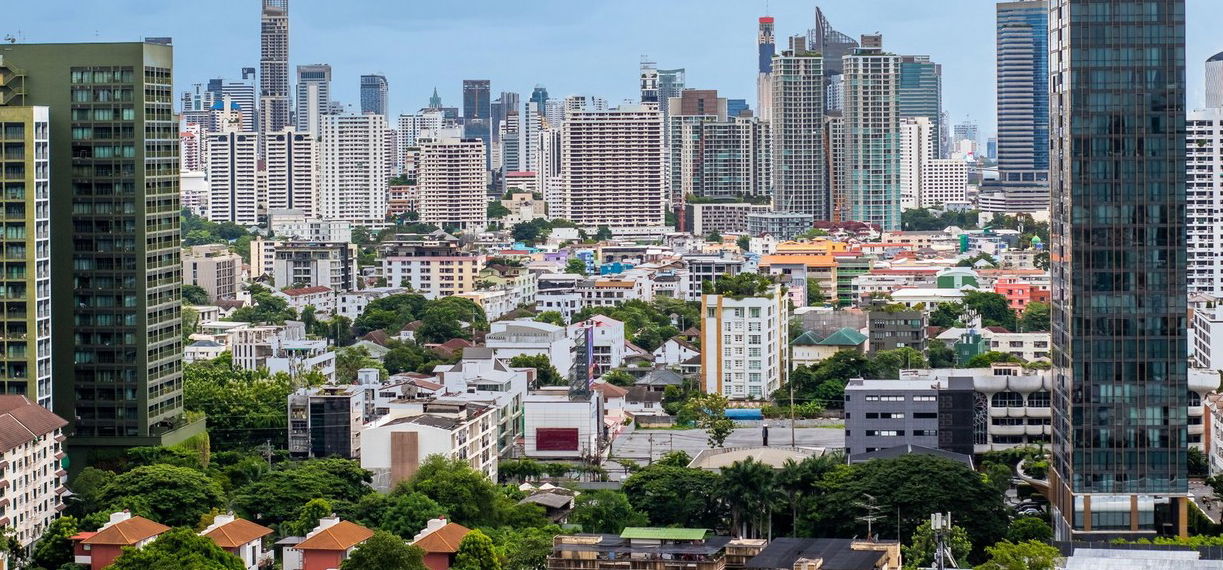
{"points": [[115, 257], [25, 249]]}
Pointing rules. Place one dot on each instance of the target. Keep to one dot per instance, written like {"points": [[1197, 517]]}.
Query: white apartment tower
{"points": [[613, 165], [191, 148], [453, 183], [233, 187], [409, 129], [872, 134], [744, 342], [916, 148], [797, 122], [1204, 201], [292, 171], [313, 96], [353, 174]]}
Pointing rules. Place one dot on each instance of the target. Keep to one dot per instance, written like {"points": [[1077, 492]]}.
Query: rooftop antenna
{"points": [[940, 523], [871, 515]]}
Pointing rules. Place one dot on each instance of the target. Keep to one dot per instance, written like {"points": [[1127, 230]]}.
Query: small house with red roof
{"points": [[440, 540], [99, 549], [327, 546], [240, 537]]}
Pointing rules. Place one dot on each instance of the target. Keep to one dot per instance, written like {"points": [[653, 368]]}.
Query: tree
{"points": [[919, 553], [741, 285], [385, 551], [603, 234], [714, 237], [670, 495], [175, 549], [54, 549], [748, 488], [450, 317], [281, 494], [815, 293], [267, 308], [390, 313], [604, 511], [527, 548], [575, 265], [947, 315], [709, 413], [349, 360], [1035, 317], [497, 210], [406, 513], [985, 359], [993, 309], [307, 518], [889, 363], [551, 317], [1024, 529], [1030, 555], [464, 493], [174, 496], [476, 552], [940, 355], [744, 242], [619, 378], [87, 489], [1198, 465], [195, 295], [545, 373]]}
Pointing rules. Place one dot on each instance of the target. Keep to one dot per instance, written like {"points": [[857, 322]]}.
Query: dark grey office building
{"points": [[375, 94], [1120, 389], [889, 330], [881, 414], [477, 113]]}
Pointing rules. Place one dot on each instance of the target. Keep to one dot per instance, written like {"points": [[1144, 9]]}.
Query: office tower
{"points": [[374, 95], [766, 47], [1214, 81], [539, 96], [511, 142], [477, 111], [748, 362], [115, 271], [920, 93], [834, 94], [991, 148], [292, 171], [25, 324], [1120, 386], [274, 67], [435, 100], [737, 107], [833, 45], [670, 84], [241, 93], [872, 134], [649, 81], [612, 165], [714, 155], [964, 137], [453, 183], [313, 96], [1204, 188], [506, 102], [945, 135], [799, 183], [916, 148], [353, 177], [232, 176], [1023, 106]]}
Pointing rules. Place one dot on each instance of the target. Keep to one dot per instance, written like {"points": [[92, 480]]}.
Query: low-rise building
{"points": [[432, 265], [352, 304], [781, 225], [98, 550], [675, 350], [561, 425], [508, 339], [810, 349], [1030, 347], [559, 292], [296, 225], [327, 421], [600, 342], [720, 217], [325, 547], [240, 537], [32, 484], [323, 299], [494, 303], [440, 541], [743, 342], [396, 445], [306, 263], [213, 268], [652, 547], [889, 329]]}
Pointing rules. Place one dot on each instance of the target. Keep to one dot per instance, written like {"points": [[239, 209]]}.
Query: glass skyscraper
{"points": [[1121, 390], [920, 93], [374, 95]]}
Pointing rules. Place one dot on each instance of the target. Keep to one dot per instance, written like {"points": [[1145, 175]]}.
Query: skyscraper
{"points": [[453, 183], [313, 96], [612, 166], [353, 174], [374, 95], [920, 93], [833, 45], [26, 320], [670, 84], [714, 155], [274, 67], [477, 112], [115, 271], [292, 171], [232, 176], [799, 181], [1120, 386], [1214, 81], [241, 93], [1023, 105], [872, 134]]}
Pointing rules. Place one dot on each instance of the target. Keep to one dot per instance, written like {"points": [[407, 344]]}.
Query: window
{"points": [[925, 398], [1038, 400], [1007, 400]]}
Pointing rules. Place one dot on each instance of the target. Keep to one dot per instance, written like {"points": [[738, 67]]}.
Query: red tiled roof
{"points": [[340, 536], [610, 390], [237, 533], [128, 532], [306, 291], [443, 540]]}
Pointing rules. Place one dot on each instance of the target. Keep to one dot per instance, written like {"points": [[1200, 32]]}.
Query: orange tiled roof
{"points": [[128, 532], [443, 540], [237, 533], [340, 536]]}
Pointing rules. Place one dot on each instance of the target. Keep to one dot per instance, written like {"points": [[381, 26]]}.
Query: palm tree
{"points": [[797, 480], [747, 487]]}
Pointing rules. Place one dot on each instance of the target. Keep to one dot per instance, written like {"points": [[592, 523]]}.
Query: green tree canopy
{"points": [[476, 552], [1030, 555], [307, 518], [390, 313], [603, 233], [174, 496], [281, 494], [406, 513], [619, 378], [385, 551], [1024, 529], [267, 308], [994, 309], [939, 355], [551, 317], [985, 359], [249, 404], [545, 373], [464, 493], [605, 511], [194, 295], [744, 243], [1036, 317], [709, 412], [741, 285], [575, 265], [177, 549], [750, 490], [450, 317], [676, 496], [947, 315], [350, 359], [815, 293], [54, 549], [714, 237]]}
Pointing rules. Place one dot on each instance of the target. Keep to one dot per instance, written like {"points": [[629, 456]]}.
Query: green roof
{"points": [[844, 337], [663, 533], [806, 339]]}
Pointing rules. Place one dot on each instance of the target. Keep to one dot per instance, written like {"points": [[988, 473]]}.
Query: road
{"points": [[638, 445]]}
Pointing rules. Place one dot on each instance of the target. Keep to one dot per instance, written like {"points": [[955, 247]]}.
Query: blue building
{"points": [[1023, 104]]}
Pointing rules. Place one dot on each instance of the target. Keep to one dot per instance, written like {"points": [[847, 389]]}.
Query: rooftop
{"points": [[775, 457], [339, 536], [22, 420], [652, 533], [127, 532]]}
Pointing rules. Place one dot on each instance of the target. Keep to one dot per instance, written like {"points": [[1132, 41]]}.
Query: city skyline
{"points": [[222, 40]]}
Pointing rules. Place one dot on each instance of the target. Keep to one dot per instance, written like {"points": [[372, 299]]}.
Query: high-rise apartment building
{"points": [[233, 165], [115, 271], [714, 155], [313, 96], [1023, 106], [510, 144], [920, 93], [612, 166], [274, 66], [872, 134], [1120, 378], [501, 108], [744, 342], [239, 92], [375, 96], [671, 84], [916, 148], [834, 94], [25, 180], [799, 183], [292, 171], [353, 176], [453, 183], [833, 133], [1204, 201], [766, 47]]}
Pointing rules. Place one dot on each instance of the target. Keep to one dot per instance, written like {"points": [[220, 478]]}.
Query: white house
{"points": [[395, 446], [674, 351]]}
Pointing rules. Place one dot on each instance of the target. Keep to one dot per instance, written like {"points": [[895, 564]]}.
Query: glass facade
{"points": [[872, 137], [1118, 253], [920, 93], [1023, 91]]}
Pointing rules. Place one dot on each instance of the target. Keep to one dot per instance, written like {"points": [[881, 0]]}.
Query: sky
{"points": [[590, 48]]}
